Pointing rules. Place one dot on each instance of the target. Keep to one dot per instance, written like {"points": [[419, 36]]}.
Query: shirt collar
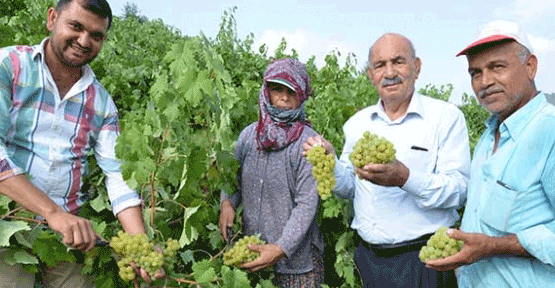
{"points": [[416, 107], [517, 122], [88, 75]]}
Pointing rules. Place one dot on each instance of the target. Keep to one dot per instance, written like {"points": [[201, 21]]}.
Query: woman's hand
{"points": [[317, 140], [227, 215], [269, 255]]}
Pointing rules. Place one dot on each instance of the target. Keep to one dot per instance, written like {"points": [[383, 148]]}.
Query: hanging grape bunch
{"points": [[439, 246], [240, 253], [372, 149], [139, 249], [322, 170]]}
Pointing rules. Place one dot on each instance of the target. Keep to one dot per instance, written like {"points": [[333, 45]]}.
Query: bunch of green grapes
{"points": [[322, 170], [138, 249], [372, 149], [439, 246], [240, 253]]}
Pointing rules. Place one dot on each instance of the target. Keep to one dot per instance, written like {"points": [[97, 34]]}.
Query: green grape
{"points": [[322, 170], [372, 149], [440, 245], [138, 249], [240, 252]]}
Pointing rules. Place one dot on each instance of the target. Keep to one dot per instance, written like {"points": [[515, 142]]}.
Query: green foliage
{"points": [[475, 116], [443, 93], [24, 22]]}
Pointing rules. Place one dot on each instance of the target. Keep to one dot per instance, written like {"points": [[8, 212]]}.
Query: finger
{"points": [[145, 276], [135, 268], [160, 274], [67, 236], [91, 238], [375, 168], [255, 247], [77, 237], [457, 234]]}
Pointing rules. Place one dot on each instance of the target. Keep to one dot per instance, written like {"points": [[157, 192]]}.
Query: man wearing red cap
{"points": [[509, 220]]}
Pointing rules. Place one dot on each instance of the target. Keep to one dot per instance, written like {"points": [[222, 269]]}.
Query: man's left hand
{"points": [[389, 174], [269, 255]]}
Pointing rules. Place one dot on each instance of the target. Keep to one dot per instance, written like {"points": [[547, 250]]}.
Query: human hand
{"points": [[476, 246], [388, 174], [141, 272], [317, 140], [227, 216], [269, 255], [76, 231]]}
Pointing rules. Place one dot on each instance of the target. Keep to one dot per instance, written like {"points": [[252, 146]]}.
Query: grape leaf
{"points": [[50, 250], [189, 233], [8, 228], [235, 278], [204, 272]]}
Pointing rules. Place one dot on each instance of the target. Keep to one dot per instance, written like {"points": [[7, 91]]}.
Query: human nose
{"points": [[389, 71], [486, 79], [84, 40]]}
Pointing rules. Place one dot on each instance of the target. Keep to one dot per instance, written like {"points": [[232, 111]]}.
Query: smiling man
{"points": [[399, 205], [509, 220], [53, 112]]}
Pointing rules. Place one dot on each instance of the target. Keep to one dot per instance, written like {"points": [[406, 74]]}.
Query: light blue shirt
{"points": [[513, 192], [431, 139]]}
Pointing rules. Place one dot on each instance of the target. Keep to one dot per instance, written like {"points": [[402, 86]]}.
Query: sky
{"points": [[438, 29]]}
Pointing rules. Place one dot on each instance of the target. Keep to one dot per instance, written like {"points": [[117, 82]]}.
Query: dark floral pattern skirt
{"points": [[311, 279]]}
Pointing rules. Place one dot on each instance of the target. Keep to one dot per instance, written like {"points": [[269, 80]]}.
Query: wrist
{"points": [[226, 204]]}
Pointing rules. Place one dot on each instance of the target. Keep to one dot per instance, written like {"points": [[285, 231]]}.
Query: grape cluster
{"points": [[139, 249], [372, 149], [322, 170], [240, 253], [439, 246]]}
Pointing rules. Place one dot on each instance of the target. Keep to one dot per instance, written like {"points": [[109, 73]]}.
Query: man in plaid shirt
{"points": [[53, 111]]}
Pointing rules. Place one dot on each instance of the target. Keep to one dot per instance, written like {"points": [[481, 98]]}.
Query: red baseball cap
{"points": [[498, 31]]}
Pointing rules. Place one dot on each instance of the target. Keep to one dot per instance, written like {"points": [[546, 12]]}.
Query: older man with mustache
{"points": [[399, 205], [509, 220]]}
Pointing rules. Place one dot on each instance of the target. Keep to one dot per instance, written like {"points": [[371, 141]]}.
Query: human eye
{"points": [[75, 26], [97, 36], [473, 72]]}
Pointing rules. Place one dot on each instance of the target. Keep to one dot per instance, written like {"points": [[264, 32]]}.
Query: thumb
{"points": [[256, 247], [456, 234]]}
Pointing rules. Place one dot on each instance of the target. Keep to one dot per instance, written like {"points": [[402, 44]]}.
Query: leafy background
{"points": [[183, 101]]}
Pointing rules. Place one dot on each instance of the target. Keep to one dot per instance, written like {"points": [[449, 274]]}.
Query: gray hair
{"points": [[522, 53]]}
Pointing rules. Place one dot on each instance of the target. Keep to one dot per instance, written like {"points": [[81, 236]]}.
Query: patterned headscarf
{"points": [[278, 128]]}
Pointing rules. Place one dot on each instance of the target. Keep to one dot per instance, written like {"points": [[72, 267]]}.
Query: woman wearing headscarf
{"points": [[276, 186]]}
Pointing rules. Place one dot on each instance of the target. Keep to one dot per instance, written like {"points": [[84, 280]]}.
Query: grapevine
{"points": [[240, 253], [439, 246], [372, 149], [322, 170]]}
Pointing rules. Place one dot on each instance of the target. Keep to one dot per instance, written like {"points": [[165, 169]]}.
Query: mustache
{"points": [[392, 81], [488, 91], [75, 44]]}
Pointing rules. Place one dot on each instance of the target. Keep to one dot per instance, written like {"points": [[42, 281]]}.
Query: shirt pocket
{"points": [[419, 158], [498, 206]]}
